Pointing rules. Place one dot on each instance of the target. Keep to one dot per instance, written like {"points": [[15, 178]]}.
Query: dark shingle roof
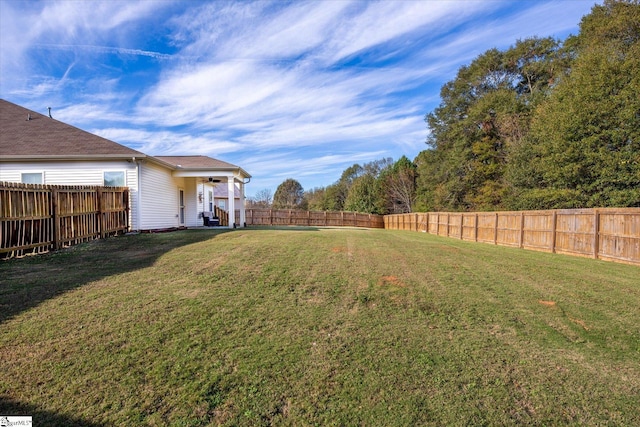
{"points": [[27, 135], [196, 162], [44, 137], [201, 163]]}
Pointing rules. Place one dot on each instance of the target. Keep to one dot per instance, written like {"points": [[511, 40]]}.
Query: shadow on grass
{"points": [[284, 227], [41, 417], [27, 282]]}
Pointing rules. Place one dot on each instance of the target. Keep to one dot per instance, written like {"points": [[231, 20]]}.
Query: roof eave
{"points": [[231, 169], [203, 171], [55, 157]]}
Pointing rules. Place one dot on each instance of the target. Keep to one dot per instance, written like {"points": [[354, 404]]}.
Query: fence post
{"points": [[56, 218], [448, 216], [100, 195], [521, 243], [596, 233], [495, 231], [461, 225], [127, 197], [554, 221], [476, 229]]}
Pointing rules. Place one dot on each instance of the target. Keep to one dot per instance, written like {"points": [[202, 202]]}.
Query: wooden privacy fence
{"points": [[311, 218], [605, 233], [38, 218]]}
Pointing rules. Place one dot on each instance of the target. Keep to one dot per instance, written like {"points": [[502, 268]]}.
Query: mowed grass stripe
{"points": [[308, 326]]}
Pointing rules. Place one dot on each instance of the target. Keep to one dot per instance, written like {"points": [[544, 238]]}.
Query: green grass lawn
{"points": [[306, 326]]}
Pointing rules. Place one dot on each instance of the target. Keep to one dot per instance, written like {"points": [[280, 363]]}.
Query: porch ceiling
{"points": [[207, 175]]}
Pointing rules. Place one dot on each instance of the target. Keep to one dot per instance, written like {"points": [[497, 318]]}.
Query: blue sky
{"points": [[294, 89]]}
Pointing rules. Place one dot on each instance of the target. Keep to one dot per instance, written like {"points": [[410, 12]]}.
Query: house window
{"points": [[114, 179], [32, 178], [210, 201], [222, 204]]}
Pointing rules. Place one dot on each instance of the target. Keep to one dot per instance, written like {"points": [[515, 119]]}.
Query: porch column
{"points": [[231, 190], [243, 216], [202, 201]]}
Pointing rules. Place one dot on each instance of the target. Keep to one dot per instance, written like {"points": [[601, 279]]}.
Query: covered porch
{"points": [[205, 180], [221, 201], [209, 210]]}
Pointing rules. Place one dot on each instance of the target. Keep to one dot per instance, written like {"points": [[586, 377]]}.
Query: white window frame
{"points": [[124, 178], [41, 173]]}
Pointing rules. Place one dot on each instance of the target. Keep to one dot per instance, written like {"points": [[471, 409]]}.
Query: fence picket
{"points": [[312, 218], [36, 218], [605, 233]]}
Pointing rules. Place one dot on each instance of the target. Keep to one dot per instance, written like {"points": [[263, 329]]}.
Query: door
{"points": [[181, 206]]}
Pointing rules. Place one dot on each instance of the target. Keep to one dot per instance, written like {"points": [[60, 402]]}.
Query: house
{"points": [[221, 196], [165, 191]]}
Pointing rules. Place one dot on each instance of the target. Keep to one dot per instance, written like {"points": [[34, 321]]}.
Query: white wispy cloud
{"points": [[284, 89], [169, 143], [104, 49]]}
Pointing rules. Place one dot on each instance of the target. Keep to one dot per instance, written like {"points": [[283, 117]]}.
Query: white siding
{"points": [[9, 175], [159, 197], [77, 173], [69, 173]]}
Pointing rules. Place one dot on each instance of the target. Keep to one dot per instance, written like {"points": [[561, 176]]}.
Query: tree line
{"points": [[544, 124]]}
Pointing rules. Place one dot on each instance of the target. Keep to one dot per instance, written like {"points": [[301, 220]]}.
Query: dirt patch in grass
{"points": [[392, 281], [547, 303], [580, 323]]}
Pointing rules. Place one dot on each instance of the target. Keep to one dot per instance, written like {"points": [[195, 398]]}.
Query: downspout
{"points": [[138, 195]]}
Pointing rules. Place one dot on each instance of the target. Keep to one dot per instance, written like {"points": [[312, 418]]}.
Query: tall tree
{"points": [[484, 112], [364, 195], [334, 197], [584, 145], [289, 195], [398, 186], [262, 199], [316, 199]]}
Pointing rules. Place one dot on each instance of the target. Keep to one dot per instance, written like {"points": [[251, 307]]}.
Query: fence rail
{"points": [[605, 233], [312, 218], [38, 218]]}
